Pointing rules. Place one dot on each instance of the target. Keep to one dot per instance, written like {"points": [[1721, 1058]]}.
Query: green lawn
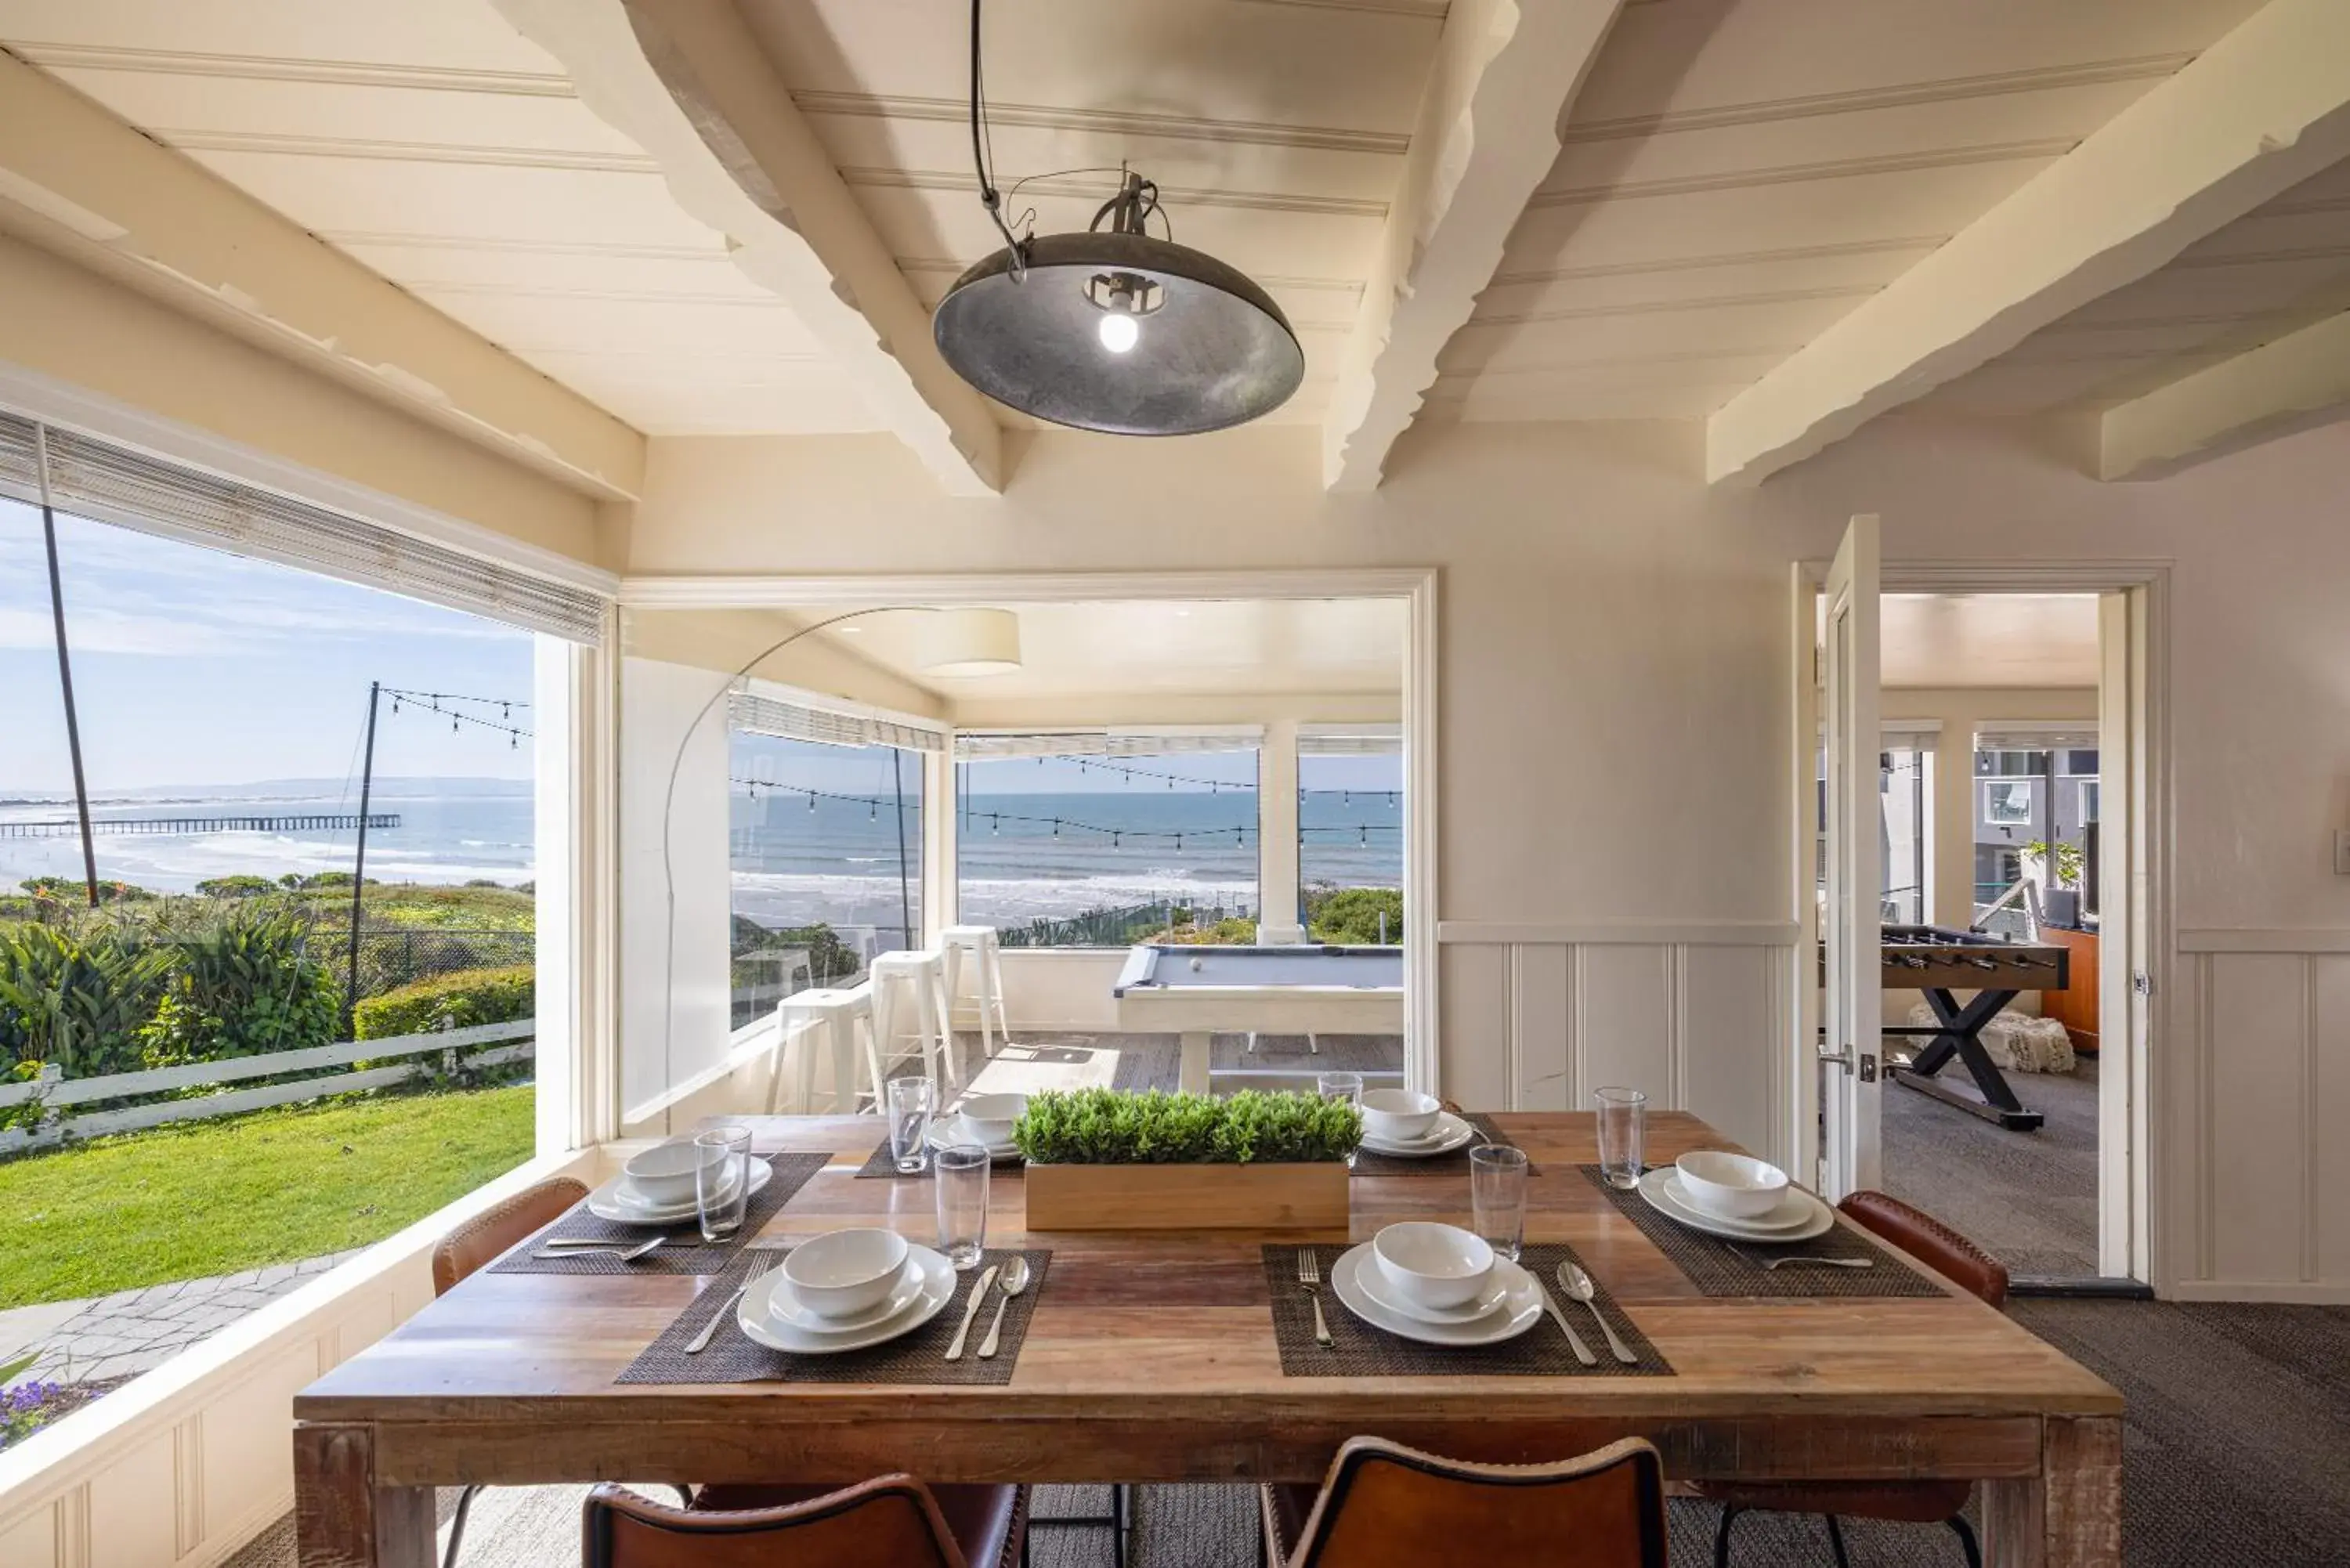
{"points": [[271, 1187]]}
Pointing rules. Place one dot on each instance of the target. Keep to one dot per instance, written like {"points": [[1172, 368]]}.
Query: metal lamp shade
{"points": [[1216, 352]]}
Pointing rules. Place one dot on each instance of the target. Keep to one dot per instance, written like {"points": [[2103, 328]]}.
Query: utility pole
{"points": [[64, 665], [359, 865]]}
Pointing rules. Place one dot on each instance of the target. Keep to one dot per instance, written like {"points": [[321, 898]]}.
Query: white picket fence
{"points": [[57, 1093]]}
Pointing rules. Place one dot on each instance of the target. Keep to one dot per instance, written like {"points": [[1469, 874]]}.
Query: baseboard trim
{"points": [[2083, 1289]]}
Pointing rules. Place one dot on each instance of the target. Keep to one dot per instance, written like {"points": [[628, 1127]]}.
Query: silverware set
{"points": [[1012, 1278], [1572, 1279]]}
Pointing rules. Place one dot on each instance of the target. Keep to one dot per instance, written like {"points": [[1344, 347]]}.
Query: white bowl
{"points": [[1433, 1265], [1399, 1116], [988, 1118], [1732, 1186], [843, 1272], [664, 1173]]}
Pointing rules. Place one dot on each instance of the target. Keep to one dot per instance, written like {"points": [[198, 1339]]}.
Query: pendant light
{"points": [[1112, 328]]}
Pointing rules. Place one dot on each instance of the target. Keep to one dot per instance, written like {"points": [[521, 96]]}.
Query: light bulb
{"points": [[1120, 331]]}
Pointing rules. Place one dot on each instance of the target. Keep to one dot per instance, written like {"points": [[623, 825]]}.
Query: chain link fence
{"points": [[391, 956]]}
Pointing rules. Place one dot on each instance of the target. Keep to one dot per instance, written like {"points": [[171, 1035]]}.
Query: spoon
{"points": [[701, 1342], [1577, 1284], [1014, 1281]]}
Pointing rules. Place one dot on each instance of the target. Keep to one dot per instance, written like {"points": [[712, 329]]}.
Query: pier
{"points": [[119, 827]]}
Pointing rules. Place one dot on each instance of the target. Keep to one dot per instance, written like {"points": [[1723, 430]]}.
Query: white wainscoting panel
{"points": [[2254, 1166], [1536, 1017]]}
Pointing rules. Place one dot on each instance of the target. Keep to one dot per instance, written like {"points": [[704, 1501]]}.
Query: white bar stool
{"points": [[911, 987], [977, 947], [834, 1019]]}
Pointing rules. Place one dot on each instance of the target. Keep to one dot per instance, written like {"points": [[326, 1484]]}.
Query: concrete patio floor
{"points": [[129, 1332]]}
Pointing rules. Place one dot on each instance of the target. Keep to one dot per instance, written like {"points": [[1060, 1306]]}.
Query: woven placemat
{"points": [[733, 1356], [1725, 1268], [1368, 1163], [881, 1164], [687, 1253], [1359, 1350]]}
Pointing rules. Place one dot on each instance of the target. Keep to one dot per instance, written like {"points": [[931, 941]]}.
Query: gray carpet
{"points": [[2029, 1199]]}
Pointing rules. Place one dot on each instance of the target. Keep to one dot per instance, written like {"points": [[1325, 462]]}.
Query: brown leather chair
{"points": [[485, 1235], [1962, 1262], [1387, 1506], [892, 1521]]}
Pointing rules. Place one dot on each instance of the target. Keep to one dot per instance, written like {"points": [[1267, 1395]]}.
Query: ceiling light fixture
{"points": [[1112, 328], [970, 642]]}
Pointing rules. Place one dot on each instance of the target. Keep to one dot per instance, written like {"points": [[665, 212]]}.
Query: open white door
{"points": [[1851, 923]]}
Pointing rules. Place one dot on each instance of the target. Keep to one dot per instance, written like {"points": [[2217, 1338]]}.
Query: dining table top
{"points": [[1182, 1320]]}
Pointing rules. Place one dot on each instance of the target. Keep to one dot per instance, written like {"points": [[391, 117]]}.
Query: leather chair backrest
{"points": [[889, 1522], [487, 1234], [1932, 1243], [1387, 1506]]}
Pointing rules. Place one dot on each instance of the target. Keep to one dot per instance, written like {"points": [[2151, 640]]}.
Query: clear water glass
{"points": [[959, 1172], [722, 1180], [1497, 1197], [1623, 1135], [1347, 1087], [911, 1103]]}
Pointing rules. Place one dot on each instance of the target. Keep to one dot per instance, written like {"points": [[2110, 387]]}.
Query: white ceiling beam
{"points": [[2264, 109], [690, 84], [76, 181], [2298, 380], [1486, 137]]}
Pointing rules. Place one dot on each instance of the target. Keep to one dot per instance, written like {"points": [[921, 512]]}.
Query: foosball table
{"points": [[1940, 960]]}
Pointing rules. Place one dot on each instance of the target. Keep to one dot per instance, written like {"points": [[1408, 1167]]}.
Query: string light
{"points": [[431, 701]]}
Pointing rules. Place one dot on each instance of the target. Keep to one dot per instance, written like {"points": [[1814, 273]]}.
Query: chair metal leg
{"points": [[1120, 1519], [1836, 1541], [1721, 1537], [1966, 1535], [457, 1526]]}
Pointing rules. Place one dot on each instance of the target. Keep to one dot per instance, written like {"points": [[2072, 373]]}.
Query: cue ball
{"points": [[1195, 965]]}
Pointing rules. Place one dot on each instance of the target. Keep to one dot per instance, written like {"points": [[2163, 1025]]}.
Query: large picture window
{"points": [[824, 854], [1350, 834], [1101, 840]]}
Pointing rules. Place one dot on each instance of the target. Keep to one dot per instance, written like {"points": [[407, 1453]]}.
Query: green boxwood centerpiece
{"points": [[1107, 1127]]}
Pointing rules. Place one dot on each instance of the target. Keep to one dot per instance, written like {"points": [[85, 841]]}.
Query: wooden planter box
{"points": [[1186, 1197]]}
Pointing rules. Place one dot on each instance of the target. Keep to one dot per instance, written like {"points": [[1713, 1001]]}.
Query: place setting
{"points": [[863, 1305], [1408, 1133], [919, 1133], [1422, 1298], [682, 1207], [1735, 1225]]}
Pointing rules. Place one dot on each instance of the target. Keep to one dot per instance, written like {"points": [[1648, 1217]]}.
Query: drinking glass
{"points": [[1347, 1087], [959, 1173], [1623, 1123], [911, 1103], [722, 1180], [1497, 1197]]}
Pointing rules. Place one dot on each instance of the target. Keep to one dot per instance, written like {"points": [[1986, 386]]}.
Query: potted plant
{"points": [[1099, 1159]]}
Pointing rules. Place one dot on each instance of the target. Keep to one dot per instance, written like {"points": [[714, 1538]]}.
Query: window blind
{"points": [[2037, 735], [96, 479], [1349, 740], [982, 745], [757, 715]]}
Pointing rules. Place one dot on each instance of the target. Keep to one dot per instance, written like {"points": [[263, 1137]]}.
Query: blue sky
{"points": [[195, 667]]}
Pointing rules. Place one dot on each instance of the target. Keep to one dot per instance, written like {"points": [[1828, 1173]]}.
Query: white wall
{"points": [[658, 700], [1614, 717]]}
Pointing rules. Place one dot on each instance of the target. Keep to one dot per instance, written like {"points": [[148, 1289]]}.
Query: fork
{"points": [[1309, 1274], [1770, 1264]]}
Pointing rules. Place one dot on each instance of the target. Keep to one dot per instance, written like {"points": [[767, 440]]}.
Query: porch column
{"points": [[1276, 817]]}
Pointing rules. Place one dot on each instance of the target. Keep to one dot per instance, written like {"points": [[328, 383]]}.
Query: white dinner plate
{"points": [[756, 1316], [945, 1133], [1521, 1307], [1382, 1290], [1799, 1217], [1450, 1133], [786, 1307], [618, 1201]]}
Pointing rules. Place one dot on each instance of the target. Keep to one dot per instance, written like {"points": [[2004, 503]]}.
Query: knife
{"points": [[970, 1311], [1574, 1340]]}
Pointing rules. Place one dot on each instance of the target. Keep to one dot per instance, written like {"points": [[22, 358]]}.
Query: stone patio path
{"points": [[129, 1332]]}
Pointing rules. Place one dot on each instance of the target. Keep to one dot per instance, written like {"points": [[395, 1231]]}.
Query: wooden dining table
{"points": [[1151, 1357]]}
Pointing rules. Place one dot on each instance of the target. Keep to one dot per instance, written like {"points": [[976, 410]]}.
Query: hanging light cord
{"points": [[983, 155]]}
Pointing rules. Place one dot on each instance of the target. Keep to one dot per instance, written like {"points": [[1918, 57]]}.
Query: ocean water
{"points": [[792, 865]]}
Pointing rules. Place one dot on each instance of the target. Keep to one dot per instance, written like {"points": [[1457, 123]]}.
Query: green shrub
{"points": [[457, 1001], [1106, 1126], [1351, 915], [77, 995], [74, 890], [241, 886], [248, 978], [1232, 931]]}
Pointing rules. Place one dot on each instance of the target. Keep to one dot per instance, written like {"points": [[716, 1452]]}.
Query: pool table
{"points": [[1197, 990]]}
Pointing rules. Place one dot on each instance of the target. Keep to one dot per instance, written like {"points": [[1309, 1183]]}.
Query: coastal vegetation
{"points": [[1110, 1126]]}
